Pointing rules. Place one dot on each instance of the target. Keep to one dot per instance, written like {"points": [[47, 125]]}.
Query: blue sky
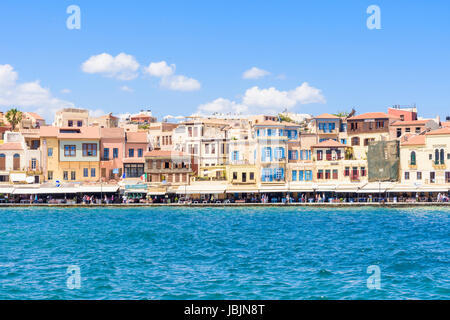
{"points": [[212, 43]]}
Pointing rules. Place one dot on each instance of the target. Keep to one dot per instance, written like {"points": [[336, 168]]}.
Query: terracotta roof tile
{"points": [[164, 153], [373, 115], [112, 133], [445, 130], [413, 140], [410, 123]]}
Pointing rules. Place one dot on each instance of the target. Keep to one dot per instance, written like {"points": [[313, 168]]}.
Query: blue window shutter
{"points": [[282, 153], [263, 154], [270, 152], [271, 174]]}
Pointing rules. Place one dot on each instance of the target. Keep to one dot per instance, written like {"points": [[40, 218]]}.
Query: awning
{"points": [[201, 189], [26, 191], [375, 187], [242, 190], [301, 187], [282, 188], [326, 188], [348, 188], [6, 190], [86, 189]]}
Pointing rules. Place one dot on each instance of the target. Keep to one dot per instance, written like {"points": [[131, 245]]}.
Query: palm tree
{"points": [[14, 117]]}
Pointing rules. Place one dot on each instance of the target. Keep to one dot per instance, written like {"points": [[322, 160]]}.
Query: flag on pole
{"points": [[144, 177]]}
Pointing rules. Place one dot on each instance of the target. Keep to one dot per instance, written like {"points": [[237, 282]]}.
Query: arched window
{"points": [[436, 156], [2, 161], [442, 156], [413, 158], [355, 141], [16, 162]]}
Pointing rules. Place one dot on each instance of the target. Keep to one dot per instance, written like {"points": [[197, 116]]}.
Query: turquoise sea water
{"points": [[224, 253]]}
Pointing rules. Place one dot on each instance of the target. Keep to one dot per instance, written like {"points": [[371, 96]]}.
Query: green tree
{"points": [[14, 117], [342, 114], [284, 117]]}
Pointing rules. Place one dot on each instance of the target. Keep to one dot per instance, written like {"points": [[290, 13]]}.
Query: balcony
{"points": [[412, 165], [438, 166]]}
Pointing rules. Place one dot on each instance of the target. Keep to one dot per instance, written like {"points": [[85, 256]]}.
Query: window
{"points": [[213, 149], [319, 154], [130, 153], [89, 149], [135, 170], [235, 155], [252, 176], [308, 175], [407, 130], [70, 150], [294, 175], [300, 175], [406, 175], [85, 172], [320, 174], [267, 154], [346, 171], [335, 174], [50, 175], [92, 172], [363, 171], [70, 123], [344, 141], [355, 141], [279, 153], [235, 175], [50, 152], [2, 161], [266, 174], [430, 156], [106, 154], [72, 175], [79, 123], [413, 158], [207, 148], [115, 153], [65, 175], [140, 153], [442, 161], [417, 129], [327, 174], [293, 154], [419, 175], [399, 132], [33, 164], [432, 177], [279, 173]]}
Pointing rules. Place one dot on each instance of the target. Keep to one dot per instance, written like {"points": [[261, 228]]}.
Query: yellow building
{"points": [[425, 159], [70, 154]]}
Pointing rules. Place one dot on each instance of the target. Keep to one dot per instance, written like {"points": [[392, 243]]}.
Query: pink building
{"points": [[112, 148], [136, 144]]}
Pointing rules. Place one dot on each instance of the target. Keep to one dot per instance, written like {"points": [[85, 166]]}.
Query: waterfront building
{"points": [[326, 126], [19, 163], [403, 113], [143, 117], [71, 154], [31, 120], [204, 139], [400, 128], [161, 135], [165, 171], [112, 151], [105, 121], [136, 144], [425, 158], [365, 128], [71, 117]]}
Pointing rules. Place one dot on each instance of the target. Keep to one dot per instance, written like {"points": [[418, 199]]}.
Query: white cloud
{"points": [[271, 100], [126, 89], [122, 67], [273, 97], [66, 91], [180, 83], [27, 96], [160, 69], [255, 73], [222, 105], [169, 79]]}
